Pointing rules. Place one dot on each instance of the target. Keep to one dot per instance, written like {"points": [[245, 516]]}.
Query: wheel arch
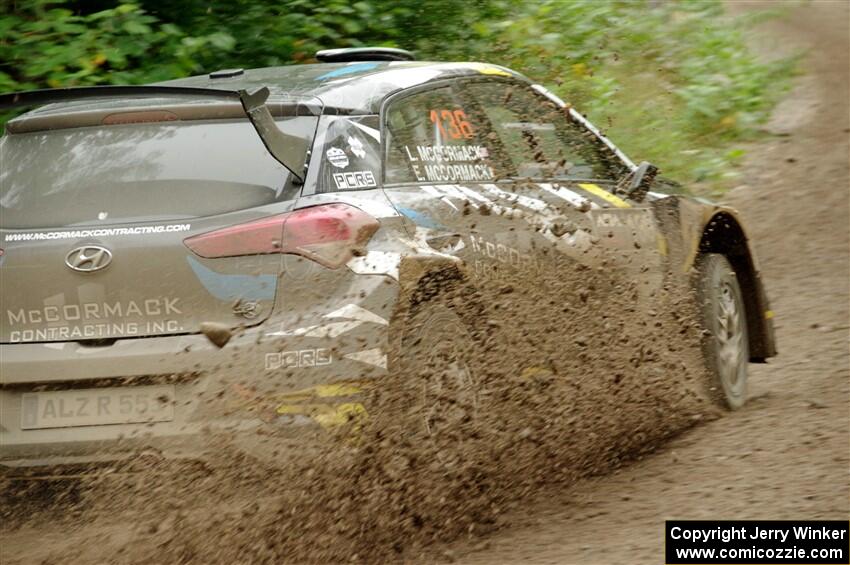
{"points": [[421, 278], [429, 279], [723, 233]]}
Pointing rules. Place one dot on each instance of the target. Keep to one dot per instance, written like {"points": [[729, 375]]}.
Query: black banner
{"points": [[815, 542]]}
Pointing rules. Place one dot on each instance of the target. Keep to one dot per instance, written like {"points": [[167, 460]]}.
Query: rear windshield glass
{"points": [[139, 172]]}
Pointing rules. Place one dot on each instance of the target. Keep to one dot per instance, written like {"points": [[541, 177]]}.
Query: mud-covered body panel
{"points": [[304, 339], [334, 332]]}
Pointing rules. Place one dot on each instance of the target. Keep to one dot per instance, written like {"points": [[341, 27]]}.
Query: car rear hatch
{"points": [[97, 198]]}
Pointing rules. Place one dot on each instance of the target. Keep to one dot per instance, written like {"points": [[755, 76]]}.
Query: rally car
{"points": [[169, 249]]}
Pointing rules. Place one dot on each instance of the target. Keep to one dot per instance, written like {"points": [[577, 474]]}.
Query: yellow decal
{"points": [[488, 69], [306, 409], [343, 414], [605, 195], [322, 391], [768, 314], [309, 402], [328, 416], [534, 372], [329, 405], [339, 389], [661, 241]]}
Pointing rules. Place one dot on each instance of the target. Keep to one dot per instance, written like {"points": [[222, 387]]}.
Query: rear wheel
{"points": [[438, 366], [726, 346]]}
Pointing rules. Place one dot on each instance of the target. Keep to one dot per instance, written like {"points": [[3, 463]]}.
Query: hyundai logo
{"points": [[88, 258]]}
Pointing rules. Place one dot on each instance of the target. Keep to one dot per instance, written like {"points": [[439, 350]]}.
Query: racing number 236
{"points": [[452, 123]]}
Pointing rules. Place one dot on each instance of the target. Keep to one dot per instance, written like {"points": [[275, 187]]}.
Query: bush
{"points": [[670, 81], [46, 44]]}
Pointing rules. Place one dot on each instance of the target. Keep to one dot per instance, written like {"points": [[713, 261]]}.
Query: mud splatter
{"points": [[496, 389]]}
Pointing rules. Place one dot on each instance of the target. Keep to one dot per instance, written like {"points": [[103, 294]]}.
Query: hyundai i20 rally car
{"points": [[169, 248]]}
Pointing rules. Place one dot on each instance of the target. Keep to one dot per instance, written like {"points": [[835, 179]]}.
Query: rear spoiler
{"points": [[289, 150]]}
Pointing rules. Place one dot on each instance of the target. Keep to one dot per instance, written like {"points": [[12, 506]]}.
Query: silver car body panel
{"points": [[318, 335]]}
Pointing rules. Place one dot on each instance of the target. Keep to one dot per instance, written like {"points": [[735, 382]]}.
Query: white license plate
{"points": [[97, 407]]}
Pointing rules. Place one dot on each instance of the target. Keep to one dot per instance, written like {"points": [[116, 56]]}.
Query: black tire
{"points": [[726, 344], [437, 360]]}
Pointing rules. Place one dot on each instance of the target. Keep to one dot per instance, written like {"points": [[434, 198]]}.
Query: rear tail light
{"points": [[330, 234]]}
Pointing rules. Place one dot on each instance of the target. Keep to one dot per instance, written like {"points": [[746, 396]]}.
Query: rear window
{"points": [[139, 172]]}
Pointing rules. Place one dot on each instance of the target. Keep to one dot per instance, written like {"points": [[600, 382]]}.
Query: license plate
{"points": [[97, 407]]}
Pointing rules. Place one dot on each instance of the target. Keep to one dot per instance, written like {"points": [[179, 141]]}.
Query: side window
{"points": [[539, 139], [351, 154], [433, 137]]}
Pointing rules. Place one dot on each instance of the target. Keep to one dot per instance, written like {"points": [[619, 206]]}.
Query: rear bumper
{"points": [[70, 361], [78, 449], [272, 378]]}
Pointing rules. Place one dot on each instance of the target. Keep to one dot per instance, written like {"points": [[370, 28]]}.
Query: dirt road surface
{"points": [[785, 455]]}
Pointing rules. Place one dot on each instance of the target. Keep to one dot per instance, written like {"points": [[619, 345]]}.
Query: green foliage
{"points": [[671, 82], [46, 44]]}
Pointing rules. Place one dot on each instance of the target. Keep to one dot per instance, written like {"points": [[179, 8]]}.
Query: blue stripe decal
{"points": [[348, 70], [234, 287], [421, 219]]}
